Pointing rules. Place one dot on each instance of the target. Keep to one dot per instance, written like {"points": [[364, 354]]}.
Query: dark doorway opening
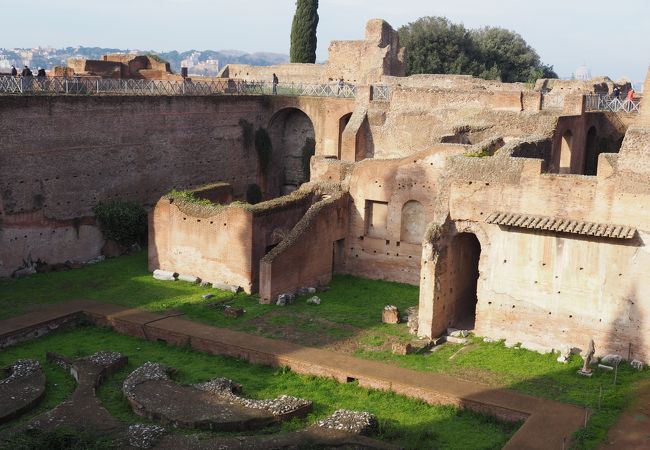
{"points": [[338, 256], [465, 255], [592, 151]]}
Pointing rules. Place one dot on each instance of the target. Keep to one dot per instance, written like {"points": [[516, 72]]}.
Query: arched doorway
{"points": [[343, 122], [565, 152], [293, 141], [591, 152], [462, 276]]}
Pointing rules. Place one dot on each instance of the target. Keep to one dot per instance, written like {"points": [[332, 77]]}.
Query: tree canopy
{"points": [[303, 32], [436, 45]]}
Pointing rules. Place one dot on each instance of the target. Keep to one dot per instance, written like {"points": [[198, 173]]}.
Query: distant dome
{"points": [[583, 73]]}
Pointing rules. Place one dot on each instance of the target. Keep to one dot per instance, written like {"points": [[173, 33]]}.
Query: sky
{"points": [[611, 38]]}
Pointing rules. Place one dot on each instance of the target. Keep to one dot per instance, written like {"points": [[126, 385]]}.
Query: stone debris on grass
{"points": [[636, 364], [457, 333], [189, 279], [457, 340], [400, 348], [227, 287], [412, 315], [164, 275], [144, 436], [21, 368], [611, 360], [565, 354], [313, 300], [104, 358], [149, 371], [233, 311], [228, 389], [207, 296], [285, 299], [357, 422], [307, 291], [205, 284], [390, 314]]}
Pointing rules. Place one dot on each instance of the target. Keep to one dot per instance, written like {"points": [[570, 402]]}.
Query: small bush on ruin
{"points": [[189, 197], [122, 222]]}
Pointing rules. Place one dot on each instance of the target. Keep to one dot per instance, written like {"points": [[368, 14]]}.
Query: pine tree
{"points": [[303, 32]]}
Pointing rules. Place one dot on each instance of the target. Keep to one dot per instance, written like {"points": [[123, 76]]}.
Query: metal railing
{"points": [[599, 102], [381, 92], [97, 86]]}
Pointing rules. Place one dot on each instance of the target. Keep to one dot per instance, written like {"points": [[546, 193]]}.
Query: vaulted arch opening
{"points": [[293, 142], [413, 222]]}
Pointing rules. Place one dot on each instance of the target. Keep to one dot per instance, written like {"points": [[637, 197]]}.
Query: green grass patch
{"points": [[534, 374], [406, 422]]}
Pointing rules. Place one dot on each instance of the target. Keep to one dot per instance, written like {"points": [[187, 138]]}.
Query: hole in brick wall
{"points": [[397, 243], [410, 257], [558, 292], [549, 313], [570, 316], [489, 303], [513, 306], [505, 261], [387, 242]]}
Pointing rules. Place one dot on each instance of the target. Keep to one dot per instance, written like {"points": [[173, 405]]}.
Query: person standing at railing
{"points": [[616, 92], [341, 85], [40, 78], [27, 79], [14, 71], [275, 84], [630, 95]]}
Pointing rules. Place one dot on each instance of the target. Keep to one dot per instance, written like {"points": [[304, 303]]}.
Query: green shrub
{"points": [[253, 194], [188, 196], [122, 222], [263, 147]]}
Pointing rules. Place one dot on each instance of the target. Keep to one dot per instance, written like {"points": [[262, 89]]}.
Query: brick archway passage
{"points": [[540, 415]]}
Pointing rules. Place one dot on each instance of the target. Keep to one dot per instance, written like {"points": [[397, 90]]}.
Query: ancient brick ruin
{"points": [[519, 213]]}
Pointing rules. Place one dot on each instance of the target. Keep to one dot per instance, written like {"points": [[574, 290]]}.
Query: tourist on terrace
{"points": [[14, 72], [27, 79], [616, 92], [275, 84]]}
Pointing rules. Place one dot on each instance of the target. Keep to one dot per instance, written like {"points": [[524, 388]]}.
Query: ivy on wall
{"points": [[122, 222]]}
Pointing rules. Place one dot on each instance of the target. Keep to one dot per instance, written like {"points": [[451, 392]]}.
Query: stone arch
{"points": [[294, 142], [413, 222], [565, 152], [343, 122], [591, 151], [450, 285]]}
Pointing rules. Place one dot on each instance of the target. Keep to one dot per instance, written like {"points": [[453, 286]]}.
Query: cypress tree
{"points": [[303, 32]]}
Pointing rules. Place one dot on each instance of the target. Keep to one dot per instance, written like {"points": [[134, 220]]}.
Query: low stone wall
{"points": [[305, 256], [220, 244]]}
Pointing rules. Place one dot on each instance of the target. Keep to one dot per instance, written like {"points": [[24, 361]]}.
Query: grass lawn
{"points": [[347, 320], [406, 422]]}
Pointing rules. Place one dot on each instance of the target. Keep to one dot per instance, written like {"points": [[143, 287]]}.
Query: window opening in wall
{"points": [[376, 214]]}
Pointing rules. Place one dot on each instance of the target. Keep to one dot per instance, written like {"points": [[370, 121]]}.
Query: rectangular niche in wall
{"points": [[376, 218]]}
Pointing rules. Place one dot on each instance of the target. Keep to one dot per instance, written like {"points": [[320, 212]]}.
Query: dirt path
{"points": [[632, 431]]}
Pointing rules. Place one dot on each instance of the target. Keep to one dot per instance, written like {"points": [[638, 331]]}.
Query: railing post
{"points": [[66, 86]]}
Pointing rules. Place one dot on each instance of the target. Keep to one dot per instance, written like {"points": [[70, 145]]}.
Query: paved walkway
{"points": [[632, 430], [548, 424]]}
